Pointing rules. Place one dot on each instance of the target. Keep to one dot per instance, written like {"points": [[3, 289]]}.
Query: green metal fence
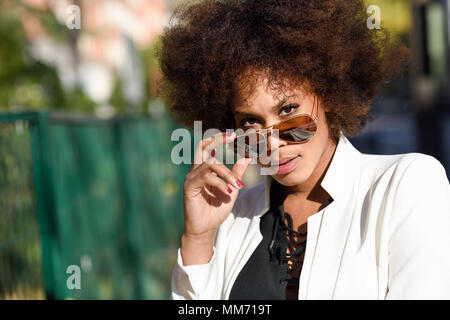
{"points": [[100, 195]]}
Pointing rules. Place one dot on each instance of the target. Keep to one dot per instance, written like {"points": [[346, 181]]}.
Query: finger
{"points": [[209, 179], [218, 168], [198, 155], [217, 140], [240, 167]]}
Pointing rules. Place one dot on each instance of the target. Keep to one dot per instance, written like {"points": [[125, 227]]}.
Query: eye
{"points": [[248, 122], [287, 110]]}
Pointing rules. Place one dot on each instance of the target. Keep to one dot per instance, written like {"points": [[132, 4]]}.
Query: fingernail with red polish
{"points": [[229, 190], [239, 183]]}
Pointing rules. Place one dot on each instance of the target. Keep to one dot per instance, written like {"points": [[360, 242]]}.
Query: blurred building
{"points": [[112, 35]]}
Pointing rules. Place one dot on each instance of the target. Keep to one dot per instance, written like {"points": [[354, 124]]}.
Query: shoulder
{"points": [[398, 185], [422, 178], [399, 168], [414, 187]]}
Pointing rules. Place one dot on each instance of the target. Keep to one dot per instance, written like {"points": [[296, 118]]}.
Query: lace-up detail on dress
{"points": [[289, 251], [293, 243], [288, 247]]}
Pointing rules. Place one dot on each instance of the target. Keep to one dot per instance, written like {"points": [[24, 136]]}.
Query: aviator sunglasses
{"points": [[296, 130]]}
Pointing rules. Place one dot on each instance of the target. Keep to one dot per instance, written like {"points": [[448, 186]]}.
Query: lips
{"points": [[283, 161], [287, 165]]}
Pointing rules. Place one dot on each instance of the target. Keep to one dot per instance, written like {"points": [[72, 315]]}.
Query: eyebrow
{"points": [[274, 108]]}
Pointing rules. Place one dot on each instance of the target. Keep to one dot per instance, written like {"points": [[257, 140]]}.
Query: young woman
{"points": [[330, 222]]}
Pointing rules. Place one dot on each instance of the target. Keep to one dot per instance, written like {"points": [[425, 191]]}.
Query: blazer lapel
{"points": [[341, 182]]}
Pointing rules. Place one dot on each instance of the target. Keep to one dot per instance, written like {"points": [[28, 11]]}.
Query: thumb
{"points": [[240, 167]]}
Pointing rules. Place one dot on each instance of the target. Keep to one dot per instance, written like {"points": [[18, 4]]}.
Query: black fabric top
{"points": [[266, 273]]}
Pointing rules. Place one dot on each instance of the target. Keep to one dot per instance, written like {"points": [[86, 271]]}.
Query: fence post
{"points": [[130, 212], [45, 204]]}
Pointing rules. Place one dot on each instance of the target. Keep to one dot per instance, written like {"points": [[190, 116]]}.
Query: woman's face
{"points": [[293, 164]]}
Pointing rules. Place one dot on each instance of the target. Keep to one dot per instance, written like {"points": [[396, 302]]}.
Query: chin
{"points": [[291, 179]]}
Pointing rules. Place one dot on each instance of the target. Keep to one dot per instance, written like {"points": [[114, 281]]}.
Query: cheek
{"points": [[308, 161], [311, 154], [314, 148], [318, 143]]}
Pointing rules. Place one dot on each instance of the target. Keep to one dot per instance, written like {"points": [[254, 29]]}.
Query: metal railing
{"points": [[100, 197]]}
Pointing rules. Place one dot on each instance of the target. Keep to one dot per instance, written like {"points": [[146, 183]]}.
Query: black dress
{"points": [[266, 273]]}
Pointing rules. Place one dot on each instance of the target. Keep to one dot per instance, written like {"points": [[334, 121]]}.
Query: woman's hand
{"points": [[210, 191]]}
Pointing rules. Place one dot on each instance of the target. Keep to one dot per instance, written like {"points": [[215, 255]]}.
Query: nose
{"points": [[273, 141], [272, 148]]}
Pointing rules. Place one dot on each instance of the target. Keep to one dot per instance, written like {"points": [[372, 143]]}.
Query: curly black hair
{"points": [[213, 50]]}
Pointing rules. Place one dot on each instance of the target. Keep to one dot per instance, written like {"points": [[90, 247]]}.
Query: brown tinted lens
{"points": [[298, 129]]}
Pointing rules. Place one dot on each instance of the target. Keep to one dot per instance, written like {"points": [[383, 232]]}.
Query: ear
{"points": [[326, 108], [323, 106]]}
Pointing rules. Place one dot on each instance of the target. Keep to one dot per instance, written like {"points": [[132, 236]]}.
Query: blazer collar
{"points": [[340, 176]]}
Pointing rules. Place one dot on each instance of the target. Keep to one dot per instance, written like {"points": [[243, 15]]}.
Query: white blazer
{"points": [[386, 235]]}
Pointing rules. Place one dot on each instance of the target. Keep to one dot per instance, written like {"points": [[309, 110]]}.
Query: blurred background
{"points": [[86, 177]]}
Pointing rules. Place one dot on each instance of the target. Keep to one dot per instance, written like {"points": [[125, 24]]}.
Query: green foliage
{"points": [[20, 252], [26, 83]]}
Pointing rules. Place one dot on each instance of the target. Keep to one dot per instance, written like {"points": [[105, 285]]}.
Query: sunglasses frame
{"points": [[257, 131]]}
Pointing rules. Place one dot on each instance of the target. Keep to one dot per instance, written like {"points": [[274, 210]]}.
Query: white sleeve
{"points": [[195, 282], [419, 246]]}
